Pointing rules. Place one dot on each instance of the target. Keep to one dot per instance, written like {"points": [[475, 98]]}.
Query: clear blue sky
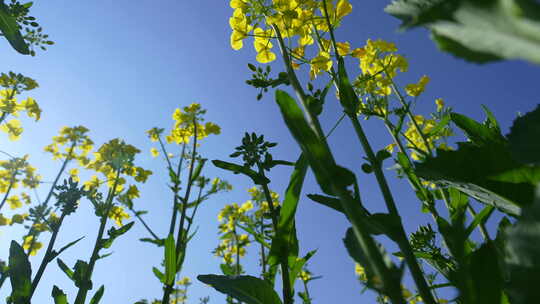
{"points": [[121, 67]]}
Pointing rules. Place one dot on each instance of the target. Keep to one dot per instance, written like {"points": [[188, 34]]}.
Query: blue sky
{"points": [[122, 67]]}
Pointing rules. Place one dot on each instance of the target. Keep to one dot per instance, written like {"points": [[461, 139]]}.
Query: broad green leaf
{"points": [[65, 268], [10, 30], [20, 273], [327, 201], [486, 276], [420, 12], [285, 243], [495, 27], [523, 138], [257, 179], [59, 296], [170, 259], [57, 253], [315, 150], [523, 250], [247, 289], [114, 233], [98, 295], [478, 31]]}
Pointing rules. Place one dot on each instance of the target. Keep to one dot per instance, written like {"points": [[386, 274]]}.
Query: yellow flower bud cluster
{"points": [[31, 245], [118, 214]]}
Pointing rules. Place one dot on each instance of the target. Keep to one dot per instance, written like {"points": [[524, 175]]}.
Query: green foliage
{"points": [[257, 179], [478, 31], [285, 243], [98, 295], [247, 289], [493, 175], [59, 295], [522, 252], [114, 233], [20, 273], [10, 30], [523, 136]]}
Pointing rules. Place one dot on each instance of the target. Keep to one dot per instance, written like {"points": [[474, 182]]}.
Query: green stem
{"points": [[12, 182], [175, 186], [403, 242], [180, 234], [47, 258], [287, 288], [83, 290]]}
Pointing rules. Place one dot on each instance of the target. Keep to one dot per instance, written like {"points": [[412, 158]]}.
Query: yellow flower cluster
{"points": [[112, 156], [300, 19], [30, 242], [418, 143], [15, 219], [379, 64], [14, 84], [415, 89], [184, 127], [185, 121], [118, 214], [71, 143], [18, 171]]}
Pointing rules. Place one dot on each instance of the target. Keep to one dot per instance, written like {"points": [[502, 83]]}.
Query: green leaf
{"points": [[81, 275], [486, 275], [247, 289], [159, 243], [198, 169], [114, 233], [523, 250], [59, 296], [363, 258], [480, 134], [285, 243], [493, 176], [170, 259], [20, 273], [98, 295], [347, 96], [65, 268], [227, 269], [10, 30], [523, 138], [296, 264], [496, 27], [419, 12], [315, 149], [158, 274], [480, 218], [327, 201], [256, 177], [439, 127], [57, 253], [478, 31]]}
